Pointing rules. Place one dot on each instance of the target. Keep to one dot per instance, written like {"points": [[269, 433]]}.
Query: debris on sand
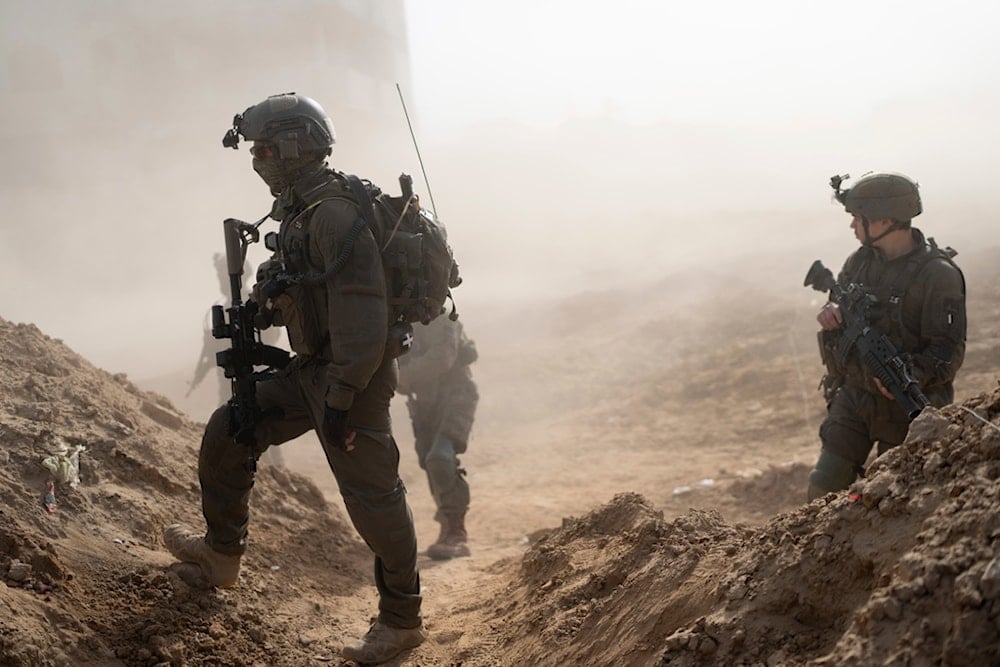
{"points": [[904, 568]]}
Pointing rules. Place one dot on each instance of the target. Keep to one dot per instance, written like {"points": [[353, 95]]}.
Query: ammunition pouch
{"points": [[291, 310], [836, 372], [830, 384]]}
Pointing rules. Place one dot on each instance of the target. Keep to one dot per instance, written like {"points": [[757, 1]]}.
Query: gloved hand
{"points": [[335, 430]]}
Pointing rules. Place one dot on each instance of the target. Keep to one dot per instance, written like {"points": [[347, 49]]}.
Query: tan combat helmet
{"points": [[295, 124], [876, 196]]}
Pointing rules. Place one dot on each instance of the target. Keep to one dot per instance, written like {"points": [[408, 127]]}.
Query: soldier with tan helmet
{"points": [[210, 344], [919, 303], [326, 285], [442, 399]]}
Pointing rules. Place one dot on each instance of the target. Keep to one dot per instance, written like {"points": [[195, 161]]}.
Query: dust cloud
{"points": [[116, 180], [633, 227]]}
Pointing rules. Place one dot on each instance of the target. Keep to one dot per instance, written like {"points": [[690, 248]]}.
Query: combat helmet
{"points": [[876, 196], [294, 124]]}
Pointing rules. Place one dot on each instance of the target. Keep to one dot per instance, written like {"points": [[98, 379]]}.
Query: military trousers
{"points": [[856, 420], [367, 477], [446, 478], [442, 419]]}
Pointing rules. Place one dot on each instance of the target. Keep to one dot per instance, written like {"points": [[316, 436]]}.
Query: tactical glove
{"points": [[335, 430]]}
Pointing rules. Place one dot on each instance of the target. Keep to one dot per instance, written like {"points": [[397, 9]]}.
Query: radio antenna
{"points": [[417, 148]]}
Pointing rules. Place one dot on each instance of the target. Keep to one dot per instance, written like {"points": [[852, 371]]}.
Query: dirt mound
{"points": [[689, 423], [85, 572], [905, 568], [757, 495]]}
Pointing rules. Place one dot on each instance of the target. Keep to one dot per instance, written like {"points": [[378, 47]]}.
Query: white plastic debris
{"points": [[64, 462], [18, 571]]}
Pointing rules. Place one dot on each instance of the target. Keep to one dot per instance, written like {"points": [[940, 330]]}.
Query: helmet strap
{"points": [[870, 240]]}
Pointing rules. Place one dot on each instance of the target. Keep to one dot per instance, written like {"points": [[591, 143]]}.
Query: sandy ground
{"points": [[638, 485]]}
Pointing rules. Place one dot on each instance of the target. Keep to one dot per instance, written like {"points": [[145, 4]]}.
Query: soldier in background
{"points": [[442, 398], [211, 345], [920, 307]]}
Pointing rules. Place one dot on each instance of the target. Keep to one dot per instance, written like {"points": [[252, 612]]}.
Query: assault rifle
{"points": [[247, 351], [873, 346]]}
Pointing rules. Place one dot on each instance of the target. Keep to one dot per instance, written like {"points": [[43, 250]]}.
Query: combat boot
{"points": [[383, 642], [453, 540], [216, 569]]}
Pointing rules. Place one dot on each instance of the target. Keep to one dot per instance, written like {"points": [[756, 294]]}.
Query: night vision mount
{"points": [[232, 138], [835, 182]]}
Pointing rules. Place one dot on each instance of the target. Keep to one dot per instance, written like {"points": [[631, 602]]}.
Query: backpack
{"points": [[420, 268]]}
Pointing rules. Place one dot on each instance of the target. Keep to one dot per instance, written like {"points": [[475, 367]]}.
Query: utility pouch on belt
{"points": [[835, 371], [298, 319], [828, 341]]}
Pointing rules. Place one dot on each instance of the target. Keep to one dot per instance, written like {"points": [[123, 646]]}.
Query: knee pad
{"points": [[832, 473], [443, 473], [442, 448]]}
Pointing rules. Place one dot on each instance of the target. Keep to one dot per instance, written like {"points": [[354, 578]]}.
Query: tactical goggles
{"points": [[262, 151]]}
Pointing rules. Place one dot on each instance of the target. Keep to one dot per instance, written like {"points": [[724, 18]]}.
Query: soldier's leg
{"points": [[436, 454], [375, 498], [891, 425], [424, 428], [451, 495], [368, 479], [447, 482], [223, 465], [457, 407], [831, 473], [846, 440], [213, 558]]}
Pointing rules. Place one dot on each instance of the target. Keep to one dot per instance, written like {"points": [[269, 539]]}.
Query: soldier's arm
{"points": [[943, 326], [356, 303]]}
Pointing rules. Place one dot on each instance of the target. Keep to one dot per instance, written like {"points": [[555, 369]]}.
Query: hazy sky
{"points": [[570, 145], [694, 129], [729, 63]]}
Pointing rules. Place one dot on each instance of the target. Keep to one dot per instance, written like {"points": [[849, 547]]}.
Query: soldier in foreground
{"points": [[442, 398], [915, 295], [339, 383]]}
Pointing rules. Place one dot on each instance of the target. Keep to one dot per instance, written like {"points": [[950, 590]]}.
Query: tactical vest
{"points": [[296, 303], [889, 314], [417, 261]]}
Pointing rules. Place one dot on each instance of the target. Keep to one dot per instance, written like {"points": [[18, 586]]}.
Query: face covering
{"points": [[279, 174]]}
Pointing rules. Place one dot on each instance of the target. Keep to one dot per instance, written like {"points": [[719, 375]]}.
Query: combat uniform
{"points": [[326, 285], [920, 306], [442, 399], [338, 330]]}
